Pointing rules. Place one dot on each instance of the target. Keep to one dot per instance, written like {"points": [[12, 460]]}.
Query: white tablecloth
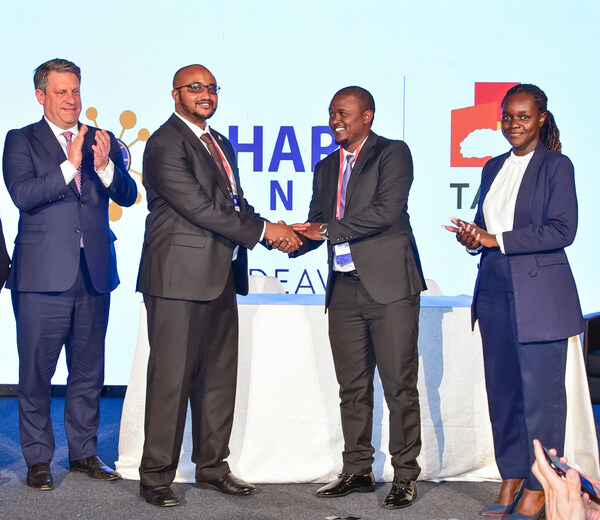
{"points": [[287, 424]]}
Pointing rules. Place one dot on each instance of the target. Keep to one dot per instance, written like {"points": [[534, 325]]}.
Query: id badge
{"points": [[236, 201], [342, 254]]}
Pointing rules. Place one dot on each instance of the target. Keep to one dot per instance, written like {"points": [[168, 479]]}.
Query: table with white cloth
{"points": [[287, 419]]}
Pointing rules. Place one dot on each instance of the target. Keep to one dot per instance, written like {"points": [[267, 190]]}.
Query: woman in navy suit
{"points": [[525, 296]]}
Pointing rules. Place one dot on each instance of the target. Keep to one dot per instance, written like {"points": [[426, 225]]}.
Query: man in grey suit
{"points": [[359, 206], [194, 260]]}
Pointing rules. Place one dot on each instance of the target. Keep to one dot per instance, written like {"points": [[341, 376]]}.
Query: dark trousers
{"points": [[525, 382], [77, 319], [365, 334], [193, 356]]}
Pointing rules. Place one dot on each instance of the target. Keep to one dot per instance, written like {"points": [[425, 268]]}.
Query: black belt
{"points": [[347, 274]]}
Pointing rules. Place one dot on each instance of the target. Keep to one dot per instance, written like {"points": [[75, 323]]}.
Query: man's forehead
{"points": [[192, 74], [62, 77], [343, 100]]}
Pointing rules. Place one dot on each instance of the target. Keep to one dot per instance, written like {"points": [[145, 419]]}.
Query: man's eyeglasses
{"points": [[200, 87]]}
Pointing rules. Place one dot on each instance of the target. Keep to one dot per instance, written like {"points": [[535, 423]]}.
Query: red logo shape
{"points": [[486, 113]]}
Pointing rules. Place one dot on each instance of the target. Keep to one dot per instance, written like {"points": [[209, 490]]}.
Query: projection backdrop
{"points": [[437, 70]]}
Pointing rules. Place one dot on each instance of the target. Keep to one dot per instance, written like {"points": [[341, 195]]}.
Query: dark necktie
{"points": [[345, 179], [207, 139], [69, 138]]}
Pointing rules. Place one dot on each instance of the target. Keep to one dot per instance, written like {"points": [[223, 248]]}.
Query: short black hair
{"points": [[364, 97]]}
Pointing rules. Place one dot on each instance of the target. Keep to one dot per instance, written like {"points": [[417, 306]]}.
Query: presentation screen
{"points": [[438, 71]]}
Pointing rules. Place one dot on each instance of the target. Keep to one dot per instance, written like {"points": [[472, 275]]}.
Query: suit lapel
{"points": [[331, 177], [363, 156], [526, 190], [191, 138]]}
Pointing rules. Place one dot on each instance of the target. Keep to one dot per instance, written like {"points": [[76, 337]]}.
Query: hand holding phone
{"points": [[561, 468]]}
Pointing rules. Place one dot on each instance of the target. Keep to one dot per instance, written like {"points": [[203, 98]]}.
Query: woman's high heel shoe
{"points": [[496, 509]]}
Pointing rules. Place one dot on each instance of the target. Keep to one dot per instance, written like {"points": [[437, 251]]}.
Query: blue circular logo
{"points": [[126, 153]]}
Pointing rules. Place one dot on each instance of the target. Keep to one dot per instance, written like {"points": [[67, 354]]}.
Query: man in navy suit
{"points": [[61, 175]]}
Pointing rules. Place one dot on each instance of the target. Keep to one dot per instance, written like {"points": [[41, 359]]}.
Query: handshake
{"points": [[288, 238]]}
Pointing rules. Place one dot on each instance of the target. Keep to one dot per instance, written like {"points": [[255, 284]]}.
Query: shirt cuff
{"points": [[500, 241], [262, 235], [68, 171], [107, 175]]}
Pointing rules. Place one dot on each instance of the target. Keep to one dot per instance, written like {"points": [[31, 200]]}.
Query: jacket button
{"points": [[533, 273], [81, 204], [77, 230]]}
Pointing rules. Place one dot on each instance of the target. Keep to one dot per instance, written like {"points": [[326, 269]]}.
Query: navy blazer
{"points": [[375, 223], [545, 222], [53, 215]]}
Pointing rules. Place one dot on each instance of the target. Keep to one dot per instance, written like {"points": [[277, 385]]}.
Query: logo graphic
{"points": [[474, 136], [128, 121]]}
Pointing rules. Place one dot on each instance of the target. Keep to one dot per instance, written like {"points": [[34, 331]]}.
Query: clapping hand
{"points": [[471, 235], [101, 150], [75, 153]]}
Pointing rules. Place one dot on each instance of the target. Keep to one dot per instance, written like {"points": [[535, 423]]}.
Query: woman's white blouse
{"points": [[501, 198]]}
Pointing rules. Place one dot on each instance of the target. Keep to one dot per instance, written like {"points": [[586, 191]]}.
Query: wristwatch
{"points": [[323, 231]]}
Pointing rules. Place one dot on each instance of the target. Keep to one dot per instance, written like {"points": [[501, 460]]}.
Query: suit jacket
{"points": [[192, 228], [4, 259], [47, 250], [545, 222], [375, 222]]}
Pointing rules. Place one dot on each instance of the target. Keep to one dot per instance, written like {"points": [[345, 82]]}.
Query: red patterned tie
{"points": [[212, 149], [69, 137]]}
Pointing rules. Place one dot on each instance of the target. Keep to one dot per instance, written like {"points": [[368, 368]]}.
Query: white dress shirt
{"points": [[500, 201]]}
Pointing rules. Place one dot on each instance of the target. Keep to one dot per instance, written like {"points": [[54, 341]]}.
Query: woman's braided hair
{"points": [[549, 133]]}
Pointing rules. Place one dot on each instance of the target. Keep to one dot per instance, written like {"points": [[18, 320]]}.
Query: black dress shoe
{"points": [[228, 484], [161, 496], [39, 476], [95, 468], [348, 483], [402, 494]]}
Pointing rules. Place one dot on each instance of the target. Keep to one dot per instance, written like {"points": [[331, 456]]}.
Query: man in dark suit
{"points": [[4, 259], [61, 175], [194, 260], [359, 205]]}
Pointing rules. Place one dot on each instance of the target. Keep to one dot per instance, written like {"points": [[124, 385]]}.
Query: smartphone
{"points": [[561, 469]]}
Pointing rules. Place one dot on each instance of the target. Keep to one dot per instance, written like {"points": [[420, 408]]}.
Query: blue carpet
{"points": [[108, 432], [75, 496]]}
